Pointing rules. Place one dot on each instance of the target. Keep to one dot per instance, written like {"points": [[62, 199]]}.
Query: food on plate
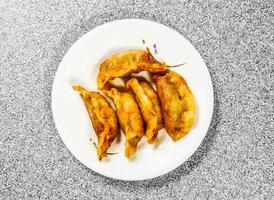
{"points": [[129, 117], [125, 63], [177, 102], [103, 118], [153, 96], [147, 108], [140, 110]]}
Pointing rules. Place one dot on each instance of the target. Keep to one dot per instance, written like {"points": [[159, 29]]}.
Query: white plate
{"points": [[80, 66]]}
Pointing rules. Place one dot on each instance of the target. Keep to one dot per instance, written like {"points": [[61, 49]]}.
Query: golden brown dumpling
{"points": [[178, 106], [153, 96], [123, 64], [147, 109], [103, 118], [129, 117]]}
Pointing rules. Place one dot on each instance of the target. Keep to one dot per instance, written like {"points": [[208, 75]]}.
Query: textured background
{"points": [[236, 40]]}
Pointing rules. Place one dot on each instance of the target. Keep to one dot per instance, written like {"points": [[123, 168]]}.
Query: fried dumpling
{"points": [[129, 117], [103, 118], [153, 96], [177, 102], [125, 63], [147, 108]]}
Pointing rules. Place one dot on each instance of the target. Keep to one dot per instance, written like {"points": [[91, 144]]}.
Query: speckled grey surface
{"points": [[236, 159]]}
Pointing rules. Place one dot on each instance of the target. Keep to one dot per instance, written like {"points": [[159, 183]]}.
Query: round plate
{"points": [[80, 66]]}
